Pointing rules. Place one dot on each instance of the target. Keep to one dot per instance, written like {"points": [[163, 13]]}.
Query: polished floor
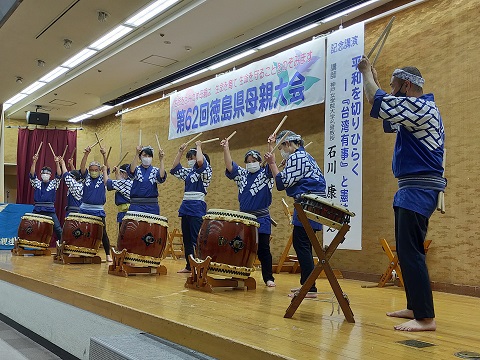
{"points": [[227, 323]]}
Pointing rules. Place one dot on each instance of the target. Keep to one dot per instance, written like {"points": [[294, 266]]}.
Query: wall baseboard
{"points": [[458, 289]]}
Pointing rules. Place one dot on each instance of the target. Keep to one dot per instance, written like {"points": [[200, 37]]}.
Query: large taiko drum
{"points": [[144, 237], [230, 238], [35, 231], [319, 209], [82, 234]]}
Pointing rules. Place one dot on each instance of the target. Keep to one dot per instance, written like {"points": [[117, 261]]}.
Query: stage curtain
{"points": [[28, 142]]}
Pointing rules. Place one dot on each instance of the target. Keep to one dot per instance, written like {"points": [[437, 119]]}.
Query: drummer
{"points": [[123, 186], [94, 193], [255, 185], [197, 178], [300, 175], [45, 191], [145, 177], [73, 179]]}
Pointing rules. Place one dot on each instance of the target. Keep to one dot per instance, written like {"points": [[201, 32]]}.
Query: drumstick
{"points": [[310, 143], [210, 140], [280, 125], [231, 135], [383, 36], [276, 145], [73, 152], [64, 151], [441, 194], [123, 158], [96, 142], [194, 138], [108, 154], [39, 147], [158, 142], [52, 150], [98, 139], [140, 137]]}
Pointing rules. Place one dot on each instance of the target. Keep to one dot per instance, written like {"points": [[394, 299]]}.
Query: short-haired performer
{"points": [[417, 164], [45, 192], [255, 185]]}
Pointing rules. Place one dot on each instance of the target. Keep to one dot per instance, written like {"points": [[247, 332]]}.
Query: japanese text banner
{"points": [[344, 129], [289, 80]]}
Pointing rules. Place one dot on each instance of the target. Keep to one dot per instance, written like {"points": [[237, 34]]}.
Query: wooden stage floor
{"points": [[234, 324]]}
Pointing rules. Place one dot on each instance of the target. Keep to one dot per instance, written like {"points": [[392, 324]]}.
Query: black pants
{"points": [[105, 239], [410, 232], [303, 248], [190, 228], [265, 257]]}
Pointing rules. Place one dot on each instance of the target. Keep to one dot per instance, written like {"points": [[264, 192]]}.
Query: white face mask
{"points": [[285, 154], [253, 167], [45, 177], [191, 163], [147, 161]]}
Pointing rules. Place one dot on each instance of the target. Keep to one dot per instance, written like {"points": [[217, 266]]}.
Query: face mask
{"points": [[285, 154], [400, 94], [45, 177], [191, 163], [94, 174], [253, 167], [147, 161]]}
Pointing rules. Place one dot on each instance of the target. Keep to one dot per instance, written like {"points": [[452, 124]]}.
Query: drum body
{"points": [[82, 234], [319, 209], [230, 238], [35, 231], [144, 236]]}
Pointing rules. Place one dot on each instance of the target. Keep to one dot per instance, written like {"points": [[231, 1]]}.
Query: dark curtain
{"points": [[28, 142]]}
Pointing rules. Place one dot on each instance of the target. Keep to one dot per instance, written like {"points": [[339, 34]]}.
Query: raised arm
{"points": [[179, 155], [369, 84], [57, 163], [83, 164], [161, 157], [227, 157], [270, 158], [133, 165], [200, 157], [34, 164], [70, 164], [105, 174], [104, 154], [63, 166]]}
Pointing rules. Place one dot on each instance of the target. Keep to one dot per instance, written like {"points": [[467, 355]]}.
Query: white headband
{"points": [[290, 137], [414, 79]]}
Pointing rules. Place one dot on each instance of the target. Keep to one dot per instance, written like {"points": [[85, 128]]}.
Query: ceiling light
{"points": [[340, 14], [149, 12], [16, 98], [293, 33], [232, 59], [99, 110], [67, 43], [34, 87], [112, 36], [79, 118], [54, 74], [78, 58]]}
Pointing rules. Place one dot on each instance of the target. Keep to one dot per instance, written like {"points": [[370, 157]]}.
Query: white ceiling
{"points": [[37, 29]]}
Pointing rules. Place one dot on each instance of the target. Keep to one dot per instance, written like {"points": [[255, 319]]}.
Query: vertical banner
{"points": [[344, 129], [290, 80]]}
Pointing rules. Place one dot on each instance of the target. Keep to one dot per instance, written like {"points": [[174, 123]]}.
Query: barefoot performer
{"points": [[417, 164]]}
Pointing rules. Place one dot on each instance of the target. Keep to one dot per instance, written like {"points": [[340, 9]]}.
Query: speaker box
{"points": [[37, 118]]}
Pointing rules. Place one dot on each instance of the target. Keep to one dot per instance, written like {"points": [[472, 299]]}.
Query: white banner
{"points": [[290, 80], [344, 129]]}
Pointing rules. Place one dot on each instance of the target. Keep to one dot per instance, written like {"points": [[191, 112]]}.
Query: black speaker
{"points": [[37, 118]]}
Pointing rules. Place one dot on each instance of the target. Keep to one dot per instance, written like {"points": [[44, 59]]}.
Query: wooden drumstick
{"points": [[194, 138], [231, 135], [52, 150], [96, 142], [39, 147], [280, 125], [64, 151], [123, 158], [158, 142], [73, 153], [140, 137], [383, 36], [276, 145], [98, 139], [210, 140], [108, 153], [310, 143]]}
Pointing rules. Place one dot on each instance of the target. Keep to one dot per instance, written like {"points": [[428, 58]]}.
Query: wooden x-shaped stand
{"points": [[323, 257]]}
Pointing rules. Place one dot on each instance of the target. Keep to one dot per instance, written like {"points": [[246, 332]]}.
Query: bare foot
{"points": [[405, 314], [417, 325], [184, 271]]}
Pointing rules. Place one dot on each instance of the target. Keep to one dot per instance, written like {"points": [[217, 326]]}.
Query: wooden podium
{"points": [[323, 264]]}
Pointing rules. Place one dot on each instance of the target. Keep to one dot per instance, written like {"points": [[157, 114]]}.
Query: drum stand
{"points": [[63, 258], [20, 251], [201, 281], [322, 264], [121, 268]]}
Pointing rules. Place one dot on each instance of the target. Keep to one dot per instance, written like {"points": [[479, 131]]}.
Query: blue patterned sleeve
{"points": [[293, 171], [180, 172]]}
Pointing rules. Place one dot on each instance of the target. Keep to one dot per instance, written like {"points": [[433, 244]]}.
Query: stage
{"points": [[226, 324]]}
